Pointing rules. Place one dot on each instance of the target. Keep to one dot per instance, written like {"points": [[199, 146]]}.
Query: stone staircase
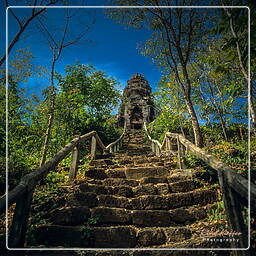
{"points": [[130, 199]]}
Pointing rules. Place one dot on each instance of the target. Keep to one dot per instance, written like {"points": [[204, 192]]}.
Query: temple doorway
{"points": [[136, 119]]}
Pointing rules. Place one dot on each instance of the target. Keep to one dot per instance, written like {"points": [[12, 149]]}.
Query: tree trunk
{"points": [[51, 115], [194, 120], [47, 137], [195, 124]]}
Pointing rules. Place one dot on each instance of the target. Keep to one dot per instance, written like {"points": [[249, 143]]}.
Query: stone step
{"points": [[101, 162], [159, 188], [70, 216], [142, 172], [153, 202], [109, 237], [83, 236], [172, 201], [148, 237]]}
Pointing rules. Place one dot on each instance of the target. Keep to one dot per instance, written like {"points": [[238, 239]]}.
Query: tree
{"points": [[85, 87], [177, 32], [233, 26], [23, 22], [218, 88], [56, 48]]}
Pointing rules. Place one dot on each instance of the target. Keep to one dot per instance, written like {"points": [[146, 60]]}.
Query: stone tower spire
{"points": [[137, 104]]}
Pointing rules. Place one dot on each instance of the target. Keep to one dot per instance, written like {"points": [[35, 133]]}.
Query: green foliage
{"points": [[234, 154], [83, 103], [168, 121], [55, 178], [83, 85], [218, 212], [204, 173], [87, 232], [45, 199]]}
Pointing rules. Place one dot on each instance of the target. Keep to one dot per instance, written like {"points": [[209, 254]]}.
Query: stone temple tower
{"points": [[137, 105]]}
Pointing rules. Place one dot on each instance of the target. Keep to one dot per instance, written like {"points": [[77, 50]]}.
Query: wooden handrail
{"points": [[234, 186], [22, 194], [111, 147]]}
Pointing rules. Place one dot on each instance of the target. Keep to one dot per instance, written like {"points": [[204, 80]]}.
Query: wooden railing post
{"points": [[234, 214], [74, 162], [157, 150], [18, 229], [153, 146], [168, 144], [93, 147], [180, 153]]}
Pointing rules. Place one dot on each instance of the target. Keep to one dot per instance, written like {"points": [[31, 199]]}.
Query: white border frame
{"points": [[131, 249]]}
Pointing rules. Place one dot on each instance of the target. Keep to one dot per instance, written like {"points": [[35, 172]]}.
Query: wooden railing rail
{"points": [[234, 187], [22, 194], [116, 145]]}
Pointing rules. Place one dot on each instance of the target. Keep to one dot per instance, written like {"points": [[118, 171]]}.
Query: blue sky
{"points": [[112, 47]]}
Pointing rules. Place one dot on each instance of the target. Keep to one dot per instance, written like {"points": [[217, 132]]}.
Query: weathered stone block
{"points": [[147, 189], [180, 200], [101, 162], [114, 237], [177, 234], [94, 188], [182, 186], [96, 174], [111, 215], [83, 199], [154, 180], [70, 215], [181, 215], [142, 172], [58, 236], [151, 218], [163, 189], [150, 203], [149, 237], [113, 201], [204, 196], [119, 182], [124, 190], [116, 173]]}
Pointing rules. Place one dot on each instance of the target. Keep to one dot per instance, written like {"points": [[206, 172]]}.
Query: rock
{"points": [[70, 216], [179, 200], [118, 173], [149, 202], [83, 199], [204, 196], [149, 237], [181, 215], [151, 218], [142, 172], [154, 180], [182, 186], [120, 181], [113, 201], [163, 189], [94, 188], [116, 237], [124, 190], [177, 234], [101, 162], [96, 174], [58, 235], [111, 215], [147, 189]]}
